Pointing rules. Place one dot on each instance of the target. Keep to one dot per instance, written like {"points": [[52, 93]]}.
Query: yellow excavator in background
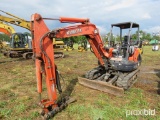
{"points": [[12, 19], [69, 45], [82, 46], [8, 30], [20, 43]]}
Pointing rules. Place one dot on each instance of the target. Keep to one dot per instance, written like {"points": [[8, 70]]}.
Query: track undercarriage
{"points": [[111, 81], [28, 54]]}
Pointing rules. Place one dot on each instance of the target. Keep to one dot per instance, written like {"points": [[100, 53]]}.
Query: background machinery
{"points": [[8, 30], [24, 50], [155, 45], [82, 45], [69, 45], [20, 44], [114, 73]]}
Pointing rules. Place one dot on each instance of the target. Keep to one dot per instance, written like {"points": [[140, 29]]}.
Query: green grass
{"points": [[104, 108], [150, 57], [19, 98]]}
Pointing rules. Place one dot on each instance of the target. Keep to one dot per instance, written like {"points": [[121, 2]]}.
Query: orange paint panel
{"points": [[5, 31], [134, 57]]}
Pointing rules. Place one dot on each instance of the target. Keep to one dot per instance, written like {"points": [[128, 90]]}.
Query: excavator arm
{"points": [[15, 20], [44, 53]]}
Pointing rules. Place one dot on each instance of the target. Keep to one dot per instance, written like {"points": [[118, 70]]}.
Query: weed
{"points": [[34, 114], [20, 108], [5, 113], [3, 104]]}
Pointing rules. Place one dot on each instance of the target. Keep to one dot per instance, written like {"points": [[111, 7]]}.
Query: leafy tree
{"points": [[143, 35], [75, 39], [29, 34], [156, 37], [4, 37], [147, 36]]}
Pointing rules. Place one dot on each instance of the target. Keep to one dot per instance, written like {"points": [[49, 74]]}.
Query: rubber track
{"points": [[126, 81]]}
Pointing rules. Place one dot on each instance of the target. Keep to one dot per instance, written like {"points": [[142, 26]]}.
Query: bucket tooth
{"points": [[101, 86]]}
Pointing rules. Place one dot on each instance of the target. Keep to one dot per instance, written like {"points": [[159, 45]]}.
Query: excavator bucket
{"points": [[101, 86]]}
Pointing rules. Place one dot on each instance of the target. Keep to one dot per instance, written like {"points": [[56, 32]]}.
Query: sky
{"points": [[102, 13]]}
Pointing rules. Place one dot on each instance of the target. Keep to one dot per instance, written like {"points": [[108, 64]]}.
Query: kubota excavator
{"points": [[24, 50], [113, 73]]}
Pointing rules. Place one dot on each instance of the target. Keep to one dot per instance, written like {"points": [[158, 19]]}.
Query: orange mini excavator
{"points": [[113, 74]]}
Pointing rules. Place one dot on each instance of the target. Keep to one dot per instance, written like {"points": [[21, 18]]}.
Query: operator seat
{"points": [[124, 46], [125, 42]]}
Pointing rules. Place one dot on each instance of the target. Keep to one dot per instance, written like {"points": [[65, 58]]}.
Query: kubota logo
{"points": [[70, 32]]}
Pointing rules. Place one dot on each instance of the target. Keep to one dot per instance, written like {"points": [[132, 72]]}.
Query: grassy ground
{"points": [[19, 98]]}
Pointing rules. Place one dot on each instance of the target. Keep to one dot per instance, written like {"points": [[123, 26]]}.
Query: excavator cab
{"points": [[126, 46], [127, 49], [19, 40]]}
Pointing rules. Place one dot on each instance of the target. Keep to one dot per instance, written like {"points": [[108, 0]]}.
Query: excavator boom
{"points": [[15, 20], [91, 32]]}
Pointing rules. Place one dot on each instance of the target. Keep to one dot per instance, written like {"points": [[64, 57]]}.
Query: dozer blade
{"points": [[101, 86]]}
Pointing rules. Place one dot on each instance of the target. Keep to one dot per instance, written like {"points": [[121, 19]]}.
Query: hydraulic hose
{"points": [[58, 84]]}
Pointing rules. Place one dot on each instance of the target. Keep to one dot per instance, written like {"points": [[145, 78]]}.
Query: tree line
{"points": [[143, 35]]}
